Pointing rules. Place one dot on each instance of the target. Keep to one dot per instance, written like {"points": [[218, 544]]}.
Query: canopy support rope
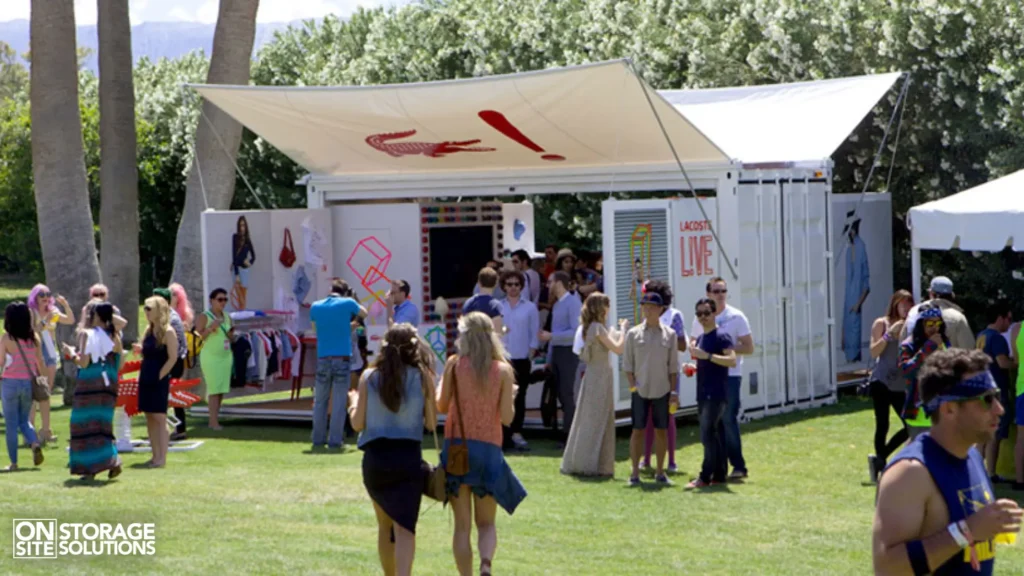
{"points": [[900, 105], [682, 169]]}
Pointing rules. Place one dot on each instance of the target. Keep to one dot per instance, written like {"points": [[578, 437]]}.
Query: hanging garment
{"points": [[241, 349], [858, 281]]}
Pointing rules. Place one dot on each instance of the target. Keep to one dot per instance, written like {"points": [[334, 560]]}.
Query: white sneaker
{"points": [[519, 441]]}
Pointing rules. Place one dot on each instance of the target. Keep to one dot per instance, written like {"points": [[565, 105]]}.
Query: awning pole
{"points": [[915, 269]]}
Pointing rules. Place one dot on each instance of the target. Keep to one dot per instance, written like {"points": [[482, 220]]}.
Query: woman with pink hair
{"points": [[181, 305], [45, 317]]}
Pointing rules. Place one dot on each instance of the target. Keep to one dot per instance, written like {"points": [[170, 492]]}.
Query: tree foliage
{"points": [[963, 123]]}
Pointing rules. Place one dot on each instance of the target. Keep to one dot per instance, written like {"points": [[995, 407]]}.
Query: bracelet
{"points": [[958, 535], [975, 561]]}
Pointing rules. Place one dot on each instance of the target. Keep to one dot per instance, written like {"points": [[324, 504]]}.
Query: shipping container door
{"points": [[807, 288], [761, 292], [636, 248]]}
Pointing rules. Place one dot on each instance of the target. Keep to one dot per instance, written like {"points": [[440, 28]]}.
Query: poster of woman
{"points": [[243, 257]]}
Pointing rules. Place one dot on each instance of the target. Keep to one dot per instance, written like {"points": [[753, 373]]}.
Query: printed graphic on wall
{"points": [[369, 261], [243, 257], [640, 256], [863, 273]]}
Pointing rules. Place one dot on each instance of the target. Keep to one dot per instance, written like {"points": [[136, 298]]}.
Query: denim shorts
{"points": [[49, 355], [657, 407]]}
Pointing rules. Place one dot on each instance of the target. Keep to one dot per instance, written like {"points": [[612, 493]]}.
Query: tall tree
{"points": [[58, 164], [13, 75], [215, 187], [119, 177]]}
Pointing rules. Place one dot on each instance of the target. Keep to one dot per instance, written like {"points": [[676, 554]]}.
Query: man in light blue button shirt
{"points": [[404, 310], [565, 318], [521, 338]]}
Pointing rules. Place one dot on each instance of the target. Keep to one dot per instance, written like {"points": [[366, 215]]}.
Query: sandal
{"points": [[11, 468], [485, 567], [88, 477], [114, 472], [37, 455]]}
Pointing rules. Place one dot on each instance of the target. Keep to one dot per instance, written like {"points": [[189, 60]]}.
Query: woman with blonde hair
{"points": [[159, 351], [590, 450], [477, 393], [390, 410], [45, 317]]}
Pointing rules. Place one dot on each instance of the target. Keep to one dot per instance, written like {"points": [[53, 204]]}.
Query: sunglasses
{"points": [[98, 295], [720, 291], [932, 323], [703, 313], [148, 308], [987, 399], [513, 285], [45, 294], [221, 299]]}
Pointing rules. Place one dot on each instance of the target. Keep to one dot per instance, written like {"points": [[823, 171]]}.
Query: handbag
{"points": [[287, 256], [435, 479], [458, 454], [40, 386]]}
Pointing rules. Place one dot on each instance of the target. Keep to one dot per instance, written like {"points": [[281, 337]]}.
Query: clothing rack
{"points": [[273, 319]]}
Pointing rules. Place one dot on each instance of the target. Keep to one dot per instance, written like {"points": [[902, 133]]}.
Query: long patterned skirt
{"points": [[92, 427]]}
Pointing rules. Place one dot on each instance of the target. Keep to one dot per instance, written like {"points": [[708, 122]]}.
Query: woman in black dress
{"points": [[159, 354], [392, 406]]}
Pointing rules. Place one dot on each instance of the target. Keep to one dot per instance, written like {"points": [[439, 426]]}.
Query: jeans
{"points": [[715, 466], [332, 379], [16, 396], [731, 423]]}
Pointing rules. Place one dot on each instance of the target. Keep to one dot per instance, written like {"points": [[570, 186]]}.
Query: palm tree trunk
{"points": [[229, 64], [119, 177], [58, 160]]}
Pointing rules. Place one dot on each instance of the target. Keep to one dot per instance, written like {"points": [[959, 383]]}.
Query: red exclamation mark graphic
{"points": [[498, 121]]}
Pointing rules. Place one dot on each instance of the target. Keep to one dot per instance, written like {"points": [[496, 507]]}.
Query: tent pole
{"points": [[915, 269]]}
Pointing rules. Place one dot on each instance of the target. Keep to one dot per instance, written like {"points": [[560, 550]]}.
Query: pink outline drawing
{"points": [[383, 256]]}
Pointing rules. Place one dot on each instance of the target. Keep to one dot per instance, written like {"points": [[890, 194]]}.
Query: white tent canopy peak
{"points": [[984, 218]]}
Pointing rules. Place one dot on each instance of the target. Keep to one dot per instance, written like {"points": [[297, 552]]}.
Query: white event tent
{"points": [[986, 218]]}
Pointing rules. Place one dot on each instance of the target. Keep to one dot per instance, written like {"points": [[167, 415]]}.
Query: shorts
{"points": [[656, 407], [49, 356], [1019, 405]]}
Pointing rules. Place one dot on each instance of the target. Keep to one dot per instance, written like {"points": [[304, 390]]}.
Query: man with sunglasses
{"points": [[714, 353], [521, 342], [733, 322], [940, 294], [936, 513]]}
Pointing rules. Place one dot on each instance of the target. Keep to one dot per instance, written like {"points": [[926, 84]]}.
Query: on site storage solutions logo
{"points": [[36, 539]]}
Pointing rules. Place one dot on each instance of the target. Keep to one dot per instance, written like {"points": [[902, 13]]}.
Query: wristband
{"points": [[886, 337], [918, 558], [975, 561], [958, 535]]}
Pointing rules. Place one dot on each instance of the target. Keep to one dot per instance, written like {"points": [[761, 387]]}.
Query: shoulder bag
{"points": [[40, 385], [435, 482], [458, 454]]}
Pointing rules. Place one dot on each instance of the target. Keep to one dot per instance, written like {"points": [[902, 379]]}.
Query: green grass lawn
{"points": [[253, 500]]}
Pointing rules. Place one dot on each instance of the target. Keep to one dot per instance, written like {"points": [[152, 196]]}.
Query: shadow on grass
{"points": [[243, 430], [84, 483], [19, 470]]}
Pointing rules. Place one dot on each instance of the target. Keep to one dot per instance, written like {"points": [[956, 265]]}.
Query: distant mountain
{"points": [[153, 40]]}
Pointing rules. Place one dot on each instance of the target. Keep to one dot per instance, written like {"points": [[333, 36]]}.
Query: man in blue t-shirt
{"points": [[991, 342], [485, 301], [332, 320], [715, 354]]}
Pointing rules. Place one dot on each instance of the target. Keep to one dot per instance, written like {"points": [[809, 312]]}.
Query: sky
{"points": [[204, 10]]}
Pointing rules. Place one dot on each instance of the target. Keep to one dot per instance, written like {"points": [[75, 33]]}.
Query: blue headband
{"points": [[965, 390], [930, 313]]}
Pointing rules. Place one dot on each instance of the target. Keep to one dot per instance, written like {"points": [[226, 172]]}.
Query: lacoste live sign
{"points": [[48, 538]]}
